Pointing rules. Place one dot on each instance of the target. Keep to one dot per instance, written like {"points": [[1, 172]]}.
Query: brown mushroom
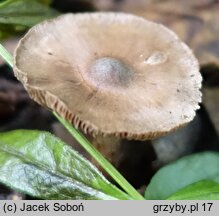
{"points": [[110, 74]]}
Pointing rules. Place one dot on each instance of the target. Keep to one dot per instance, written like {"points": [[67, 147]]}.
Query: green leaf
{"points": [[202, 190], [46, 2], [17, 15], [41, 165], [24, 12], [177, 175]]}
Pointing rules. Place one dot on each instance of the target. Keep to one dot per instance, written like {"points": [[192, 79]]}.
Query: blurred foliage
{"points": [[46, 2], [183, 173], [202, 190], [18, 15]]}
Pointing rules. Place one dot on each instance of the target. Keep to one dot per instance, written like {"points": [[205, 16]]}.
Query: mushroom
{"points": [[110, 74]]}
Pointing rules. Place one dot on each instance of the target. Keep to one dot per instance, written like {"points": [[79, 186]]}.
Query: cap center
{"points": [[110, 71]]}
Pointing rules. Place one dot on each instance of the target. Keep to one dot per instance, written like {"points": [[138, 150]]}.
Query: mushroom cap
{"points": [[110, 74]]}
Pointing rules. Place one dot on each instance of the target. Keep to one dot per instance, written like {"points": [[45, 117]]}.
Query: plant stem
{"points": [[105, 164], [6, 55]]}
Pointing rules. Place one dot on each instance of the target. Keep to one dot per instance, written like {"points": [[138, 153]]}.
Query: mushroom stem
{"points": [[132, 158], [105, 164], [109, 146]]}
